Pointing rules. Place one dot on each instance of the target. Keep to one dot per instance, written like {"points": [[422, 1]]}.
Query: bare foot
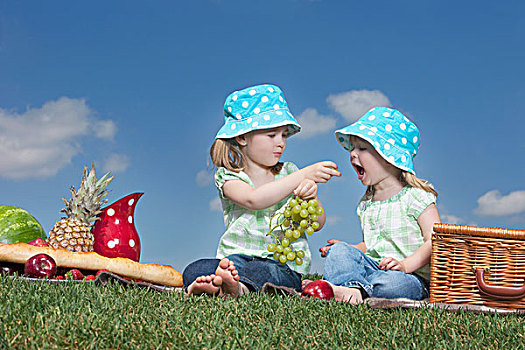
{"points": [[349, 295], [205, 285], [304, 283], [230, 278]]}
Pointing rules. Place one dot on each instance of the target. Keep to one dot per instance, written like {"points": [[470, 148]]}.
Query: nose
{"points": [[281, 141]]}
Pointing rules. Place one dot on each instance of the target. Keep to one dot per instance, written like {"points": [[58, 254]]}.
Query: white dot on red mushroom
{"points": [[111, 211], [131, 243], [111, 244], [130, 219], [117, 221], [131, 201]]}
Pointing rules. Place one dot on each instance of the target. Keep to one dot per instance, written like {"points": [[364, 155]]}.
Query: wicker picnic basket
{"points": [[478, 265]]}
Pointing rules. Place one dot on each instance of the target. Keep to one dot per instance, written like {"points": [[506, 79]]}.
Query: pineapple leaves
{"points": [[85, 203]]}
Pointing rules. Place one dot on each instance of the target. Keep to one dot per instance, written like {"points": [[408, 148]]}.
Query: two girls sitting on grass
{"points": [[396, 213]]}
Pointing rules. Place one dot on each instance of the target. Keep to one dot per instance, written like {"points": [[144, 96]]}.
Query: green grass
{"points": [[86, 316]]}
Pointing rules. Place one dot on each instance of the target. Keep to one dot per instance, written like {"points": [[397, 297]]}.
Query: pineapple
{"points": [[74, 231]]}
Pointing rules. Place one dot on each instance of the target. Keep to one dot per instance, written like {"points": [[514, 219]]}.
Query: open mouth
{"points": [[360, 170]]}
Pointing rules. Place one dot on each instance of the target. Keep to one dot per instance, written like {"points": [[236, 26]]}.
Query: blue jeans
{"points": [[349, 267], [254, 272]]}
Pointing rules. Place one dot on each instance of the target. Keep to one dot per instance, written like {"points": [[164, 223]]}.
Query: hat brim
{"points": [[267, 120], [399, 160]]}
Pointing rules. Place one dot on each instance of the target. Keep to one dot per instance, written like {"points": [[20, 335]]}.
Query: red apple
{"points": [[74, 274], [90, 278], [318, 289], [40, 266], [39, 242]]}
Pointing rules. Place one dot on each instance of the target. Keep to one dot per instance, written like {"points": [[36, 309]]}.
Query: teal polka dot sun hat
{"points": [[392, 135], [254, 108]]}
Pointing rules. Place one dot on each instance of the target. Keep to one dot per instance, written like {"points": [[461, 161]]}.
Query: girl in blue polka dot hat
{"points": [[253, 184], [397, 213]]}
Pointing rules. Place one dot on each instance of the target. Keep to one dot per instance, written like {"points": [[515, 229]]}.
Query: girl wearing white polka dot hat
{"points": [[397, 213], [253, 184]]}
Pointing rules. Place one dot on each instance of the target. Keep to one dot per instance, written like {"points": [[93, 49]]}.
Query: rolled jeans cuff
{"points": [[358, 285]]}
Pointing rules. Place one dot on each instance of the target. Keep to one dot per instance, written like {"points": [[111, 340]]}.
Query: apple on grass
{"points": [[318, 289], [40, 266]]}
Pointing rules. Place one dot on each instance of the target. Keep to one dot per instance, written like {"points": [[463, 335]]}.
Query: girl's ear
{"points": [[241, 140]]}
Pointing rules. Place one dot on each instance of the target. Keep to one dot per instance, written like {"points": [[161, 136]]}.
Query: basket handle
{"points": [[498, 291]]}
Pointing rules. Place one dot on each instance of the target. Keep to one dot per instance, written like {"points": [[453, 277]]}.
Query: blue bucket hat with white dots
{"points": [[254, 108], [392, 135]]}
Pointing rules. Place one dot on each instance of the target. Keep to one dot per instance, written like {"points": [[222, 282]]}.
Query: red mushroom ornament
{"points": [[115, 233]]}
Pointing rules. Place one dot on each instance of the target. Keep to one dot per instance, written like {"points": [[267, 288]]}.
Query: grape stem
{"points": [[277, 225], [278, 216]]}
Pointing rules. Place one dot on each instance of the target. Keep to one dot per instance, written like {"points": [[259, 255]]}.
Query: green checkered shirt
{"points": [[390, 227], [246, 229]]}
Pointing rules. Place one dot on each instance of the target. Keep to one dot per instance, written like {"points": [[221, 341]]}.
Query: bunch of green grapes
{"points": [[298, 217]]}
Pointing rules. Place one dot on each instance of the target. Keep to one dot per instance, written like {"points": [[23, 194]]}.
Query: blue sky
{"points": [[139, 88]]}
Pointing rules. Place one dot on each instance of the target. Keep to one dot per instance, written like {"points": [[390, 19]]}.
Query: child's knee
{"points": [[341, 249]]}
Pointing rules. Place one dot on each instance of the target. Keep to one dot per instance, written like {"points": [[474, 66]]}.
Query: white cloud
{"points": [[215, 205], [313, 123], [451, 219], [353, 104], [203, 178], [105, 129], [40, 141], [116, 163], [494, 204], [333, 219]]}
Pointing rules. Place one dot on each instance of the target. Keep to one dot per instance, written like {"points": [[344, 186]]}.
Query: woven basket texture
{"points": [[457, 250]]}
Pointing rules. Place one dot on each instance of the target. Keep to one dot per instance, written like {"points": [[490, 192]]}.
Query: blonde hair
{"points": [[407, 179], [227, 154]]}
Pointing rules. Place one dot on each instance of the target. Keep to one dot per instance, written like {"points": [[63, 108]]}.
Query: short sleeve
{"points": [[418, 201], [288, 168], [362, 205], [222, 175]]}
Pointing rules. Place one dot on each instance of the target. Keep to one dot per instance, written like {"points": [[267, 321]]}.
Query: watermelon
{"points": [[17, 225]]}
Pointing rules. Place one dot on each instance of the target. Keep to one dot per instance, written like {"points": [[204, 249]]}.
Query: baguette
{"points": [[158, 274]]}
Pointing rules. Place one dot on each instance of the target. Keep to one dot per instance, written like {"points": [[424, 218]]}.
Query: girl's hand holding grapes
{"points": [[306, 190], [321, 172]]}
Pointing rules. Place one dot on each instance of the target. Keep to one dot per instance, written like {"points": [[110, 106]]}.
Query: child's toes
{"points": [[217, 281], [224, 263]]}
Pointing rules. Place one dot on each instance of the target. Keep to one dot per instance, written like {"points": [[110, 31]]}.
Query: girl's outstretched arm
{"points": [[421, 256], [273, 192]]}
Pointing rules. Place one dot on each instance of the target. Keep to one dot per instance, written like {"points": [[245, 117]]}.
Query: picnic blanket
{"points": [[381, 303]]}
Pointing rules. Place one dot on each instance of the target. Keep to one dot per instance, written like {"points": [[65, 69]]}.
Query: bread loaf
{"points": [[158, 274]]}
